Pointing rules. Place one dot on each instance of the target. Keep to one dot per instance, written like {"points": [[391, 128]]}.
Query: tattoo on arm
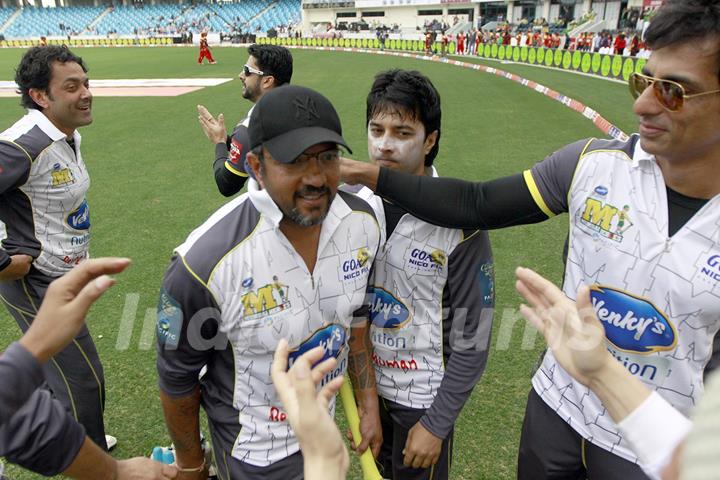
{"points": [[360, 369]]}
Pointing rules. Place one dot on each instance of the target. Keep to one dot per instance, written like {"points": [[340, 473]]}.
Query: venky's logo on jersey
{"points": [[357, 266], [331, 337], [61, 176], [631, 323], [266, 300], [80, 218], [386, 311], [605, 219]]}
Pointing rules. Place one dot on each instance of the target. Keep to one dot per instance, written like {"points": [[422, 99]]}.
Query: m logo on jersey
{"points": [[331, 337], [631, 323], [266, 300], [80, 218], [605, 219], [357, 266], [61, 176], [386, 311]]}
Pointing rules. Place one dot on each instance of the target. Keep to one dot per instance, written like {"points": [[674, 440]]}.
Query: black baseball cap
{"points": [[289, 119]]}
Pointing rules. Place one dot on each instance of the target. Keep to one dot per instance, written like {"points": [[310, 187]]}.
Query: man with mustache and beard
{"points": [[289, 259], [267, 67], [43, 182]]}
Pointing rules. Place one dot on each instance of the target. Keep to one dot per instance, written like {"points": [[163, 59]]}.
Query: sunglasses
{"points": [[671, 95], [247, 70]]}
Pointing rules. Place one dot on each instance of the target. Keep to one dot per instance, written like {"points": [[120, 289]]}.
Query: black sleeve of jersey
{"points": [[5, 259], [41, 436], [15, 166], [229, 165], [467, 325], [453, 203], [187, 329], [21, 374]]}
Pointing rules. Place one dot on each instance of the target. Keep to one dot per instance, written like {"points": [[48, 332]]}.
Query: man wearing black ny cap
{"points": [[290, 260]]}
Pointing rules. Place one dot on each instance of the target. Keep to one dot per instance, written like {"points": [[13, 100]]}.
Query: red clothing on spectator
{"points": [[620, 44], [205, 51]]}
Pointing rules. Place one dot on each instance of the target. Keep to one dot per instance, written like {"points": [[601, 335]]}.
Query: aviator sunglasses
{"points": [[671, 95]]}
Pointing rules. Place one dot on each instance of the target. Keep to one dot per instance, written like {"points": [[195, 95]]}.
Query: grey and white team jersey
{"points": [[43, 182], [238, 278], [657, 296], [432, 301]]}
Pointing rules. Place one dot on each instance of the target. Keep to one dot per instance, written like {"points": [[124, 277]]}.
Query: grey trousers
{"points": [[74, 376]]}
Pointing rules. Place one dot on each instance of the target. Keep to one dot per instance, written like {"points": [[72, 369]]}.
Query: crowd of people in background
{"points": [[603, 42]]}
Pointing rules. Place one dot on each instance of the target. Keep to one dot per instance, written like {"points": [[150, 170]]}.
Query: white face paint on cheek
{"points": [[406, 152]]}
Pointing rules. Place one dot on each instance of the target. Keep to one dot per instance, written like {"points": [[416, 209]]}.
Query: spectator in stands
{"points": [[620, 44], [634, 45], [470, 40]]}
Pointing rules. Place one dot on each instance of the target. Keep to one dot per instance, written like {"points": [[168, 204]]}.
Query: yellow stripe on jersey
{"points": [[535, 192], [235, 171]]}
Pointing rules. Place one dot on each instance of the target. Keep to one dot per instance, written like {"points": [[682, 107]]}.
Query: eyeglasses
{"points": [[248, 70], [328, 156], [671, 95]]}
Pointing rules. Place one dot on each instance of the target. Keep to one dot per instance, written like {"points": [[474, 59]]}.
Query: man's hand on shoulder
{"points": [[353, 172]]}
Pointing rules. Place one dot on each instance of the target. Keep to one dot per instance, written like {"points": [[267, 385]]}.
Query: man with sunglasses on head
{"points": [[267, 67], [644, 232], [289, 259]]}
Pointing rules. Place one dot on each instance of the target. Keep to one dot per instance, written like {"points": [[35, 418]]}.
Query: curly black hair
{"points": [[273, 60], [35, 70], [407, 92], [680, 21]]}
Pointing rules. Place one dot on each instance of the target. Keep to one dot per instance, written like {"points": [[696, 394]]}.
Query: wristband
{"points": [[199, 469]]}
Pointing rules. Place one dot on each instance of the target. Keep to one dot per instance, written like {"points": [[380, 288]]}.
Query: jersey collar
{"points": [[48, 128], [640, 155]]}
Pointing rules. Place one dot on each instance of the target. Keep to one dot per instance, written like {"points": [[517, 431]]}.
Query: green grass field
{"points": [[152, 183]]}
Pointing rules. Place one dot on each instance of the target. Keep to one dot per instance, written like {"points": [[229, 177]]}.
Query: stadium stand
{"points": [[52, 21], [158, 19], [5, 14], [127, 20]]}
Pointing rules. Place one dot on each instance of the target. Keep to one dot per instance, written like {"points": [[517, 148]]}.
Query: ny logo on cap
{"points": [[305, 106]]}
